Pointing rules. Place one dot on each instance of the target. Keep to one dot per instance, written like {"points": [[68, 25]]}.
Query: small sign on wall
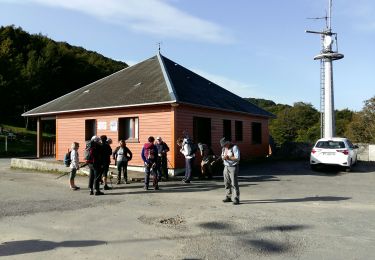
{"points": [[113, 126], [102, 125]]}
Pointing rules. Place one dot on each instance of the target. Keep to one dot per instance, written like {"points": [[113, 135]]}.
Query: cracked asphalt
{"points": [[286, 212]]}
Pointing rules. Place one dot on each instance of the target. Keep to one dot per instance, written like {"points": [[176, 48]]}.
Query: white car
{"points": [[334, 151]]}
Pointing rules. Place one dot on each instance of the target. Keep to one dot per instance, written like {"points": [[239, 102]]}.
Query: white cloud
{"points": [[239, 88], [157, 17]]}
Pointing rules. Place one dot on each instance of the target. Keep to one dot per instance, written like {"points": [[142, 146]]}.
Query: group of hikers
{"points": [[98, 153]]}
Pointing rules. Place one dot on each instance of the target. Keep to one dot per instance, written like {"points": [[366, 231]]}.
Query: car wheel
{"points": [[313, 167]]}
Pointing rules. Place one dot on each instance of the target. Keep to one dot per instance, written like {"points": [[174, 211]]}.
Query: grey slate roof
{"points": [[157, 80]]}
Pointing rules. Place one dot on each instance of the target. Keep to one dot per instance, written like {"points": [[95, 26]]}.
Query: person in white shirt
{"points": [[188, 150], [231, 159], [74, 165]]}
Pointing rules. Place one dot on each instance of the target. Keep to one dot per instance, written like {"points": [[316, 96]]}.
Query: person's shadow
{"points": [[306, 199], [37, 245]]}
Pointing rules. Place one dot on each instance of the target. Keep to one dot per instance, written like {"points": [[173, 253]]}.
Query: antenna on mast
{"points": [[159, 44], [326, 56]]}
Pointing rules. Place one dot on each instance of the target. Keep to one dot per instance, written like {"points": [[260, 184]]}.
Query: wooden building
{"points": [[156, 97]]}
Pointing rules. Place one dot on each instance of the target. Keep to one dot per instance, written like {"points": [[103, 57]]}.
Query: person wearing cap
{"points": [[231, 158], [95, 165], [162, 161]]}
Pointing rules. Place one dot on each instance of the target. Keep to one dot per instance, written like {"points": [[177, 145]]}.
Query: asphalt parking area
{"points": [[286, 212]]}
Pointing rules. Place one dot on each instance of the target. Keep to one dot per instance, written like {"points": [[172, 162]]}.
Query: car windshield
{"points": [[330, 144]]}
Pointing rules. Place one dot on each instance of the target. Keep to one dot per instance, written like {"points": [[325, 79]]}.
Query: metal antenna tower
{"points": [[326, 56]]}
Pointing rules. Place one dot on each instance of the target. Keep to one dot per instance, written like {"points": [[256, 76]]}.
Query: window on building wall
{"points": [[90, 129], [238, 130], [227, 129], [256, 133], [128, 129]]}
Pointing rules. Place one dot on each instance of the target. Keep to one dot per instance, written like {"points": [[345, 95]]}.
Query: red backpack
{"points": [[148, 152]]}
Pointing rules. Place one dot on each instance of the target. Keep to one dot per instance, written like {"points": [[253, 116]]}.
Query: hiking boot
{"points": [[97, 193], [227, 200], [106, 187], [236, 202]]}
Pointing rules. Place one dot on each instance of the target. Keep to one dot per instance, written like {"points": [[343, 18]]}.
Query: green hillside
{"points": [[35, 69]]}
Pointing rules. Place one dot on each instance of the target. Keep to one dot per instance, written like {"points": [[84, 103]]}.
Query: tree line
{"points": [[301, 122], [35, 69]]}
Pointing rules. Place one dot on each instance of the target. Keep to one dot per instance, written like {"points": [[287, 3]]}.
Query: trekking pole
{"points": [[169, 162], [62, 175], [83, 165]]}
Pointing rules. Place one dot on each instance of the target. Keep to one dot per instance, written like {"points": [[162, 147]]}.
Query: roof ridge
{"points": [[168, 82]]}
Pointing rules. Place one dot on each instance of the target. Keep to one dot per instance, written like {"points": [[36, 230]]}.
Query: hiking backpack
{"points": [[88, 154], [67, 158], [149, 153]]}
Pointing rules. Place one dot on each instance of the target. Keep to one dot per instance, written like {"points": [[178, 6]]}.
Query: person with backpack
{"points": [[149, 157], [106, 155], [93, 157], [162, 161], [122, 155], [231, 158], [208, 157], [74, 165], [188, 149]]}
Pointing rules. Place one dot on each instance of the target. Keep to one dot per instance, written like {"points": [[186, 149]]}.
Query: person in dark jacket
{"points": [[106, 155], [149, 157], [95, 165], [208, 157], [162, 161], [122, 155]]}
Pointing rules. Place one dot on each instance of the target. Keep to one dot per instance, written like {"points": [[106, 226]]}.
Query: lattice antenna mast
{"points": [[326, 56]]}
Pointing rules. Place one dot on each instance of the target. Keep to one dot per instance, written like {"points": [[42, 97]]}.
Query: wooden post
{"points": [[174, 149], [39, 141]]}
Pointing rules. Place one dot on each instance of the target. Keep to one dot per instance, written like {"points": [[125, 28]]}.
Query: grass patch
{"points": [[24, 147], [23, 143]]}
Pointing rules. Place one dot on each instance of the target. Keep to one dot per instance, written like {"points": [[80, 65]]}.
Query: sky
{"points": [[254, 48]]}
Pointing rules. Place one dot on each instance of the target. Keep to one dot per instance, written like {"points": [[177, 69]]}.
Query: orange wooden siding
{"points": [[153, 121], [184, 122], [166, 121]]}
